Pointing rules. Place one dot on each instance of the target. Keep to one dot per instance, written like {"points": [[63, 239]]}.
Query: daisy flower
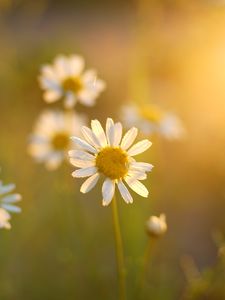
{"points": [[156, 226], [50, 140], [151, 119], [112, 156], [7, 204], [66, 79]]}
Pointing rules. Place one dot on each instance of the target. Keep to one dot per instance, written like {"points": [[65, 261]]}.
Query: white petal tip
{"points": [[150, 168], [19, 197], [104, 203]]}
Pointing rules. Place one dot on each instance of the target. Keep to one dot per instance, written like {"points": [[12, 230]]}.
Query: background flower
{"points": [[50, 140], [151, 119], [66, 79]]}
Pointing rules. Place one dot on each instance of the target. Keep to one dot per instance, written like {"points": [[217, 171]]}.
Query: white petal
{"points": [[108, 190], [89, 183], [83, 144], [171, 127], [139, 175], [12, 198], [110, 133], [85, 172], [38, 139], [39, 151], [129, 138], [79, 163], [12, 208], [5, 224], [90, 136], [7, 188], [79, 154], [86, 97], [99, 132], [48, 71], [54, 160], [61, 66], [124, 192], [142, 176], [94, 84], [139, 147], [137, 186], [113, 132], [89, 78], [141, 166], [70, 100], [118, 134], [52, 96], [99, 85], [47, 83], [76, 63]]}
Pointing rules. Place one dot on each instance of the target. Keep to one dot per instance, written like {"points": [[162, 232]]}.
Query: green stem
{"points": [[119, 251]]}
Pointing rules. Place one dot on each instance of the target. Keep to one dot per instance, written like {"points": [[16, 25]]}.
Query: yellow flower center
{"points": [[151, 113], [60, 141], [72, 84], [112, 162]]}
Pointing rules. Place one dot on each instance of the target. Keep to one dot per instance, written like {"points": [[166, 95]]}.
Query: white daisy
{"points": [[110, 155], [66, 79], [156, 226], [7, 204], [151, 119], [50, 140]]}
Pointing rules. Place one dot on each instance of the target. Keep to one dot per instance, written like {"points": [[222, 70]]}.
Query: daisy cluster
{"points": [[97, 153], [66, 81]]}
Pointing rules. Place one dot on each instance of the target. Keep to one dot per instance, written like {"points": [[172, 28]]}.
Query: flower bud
{"points": [[156, 226]]}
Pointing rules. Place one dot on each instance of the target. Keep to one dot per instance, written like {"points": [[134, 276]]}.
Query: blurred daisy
{"points": [[50, 140], [7, 204], [110, 155], [151, 119], [156, 226], [66, 79]]}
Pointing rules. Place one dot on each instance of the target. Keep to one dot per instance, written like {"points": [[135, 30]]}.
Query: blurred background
{"points": [[168, 52]]}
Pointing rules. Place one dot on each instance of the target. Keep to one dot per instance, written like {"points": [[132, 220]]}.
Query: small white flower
{"points": [[151, 119], [110, 155], [156, 226], [50, 140], [66, 79], [7, 204]]}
